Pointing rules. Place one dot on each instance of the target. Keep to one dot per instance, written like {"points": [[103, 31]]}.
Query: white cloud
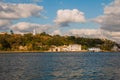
{"points": [[96, 33], [115, 36], [111, 19], [4, 24], [24, 27], [91, 33], [11, 11], [15, 11], [64, 17], [56, 32]]}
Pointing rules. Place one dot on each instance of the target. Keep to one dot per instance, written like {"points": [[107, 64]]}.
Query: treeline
{"points": [[43, 41]]}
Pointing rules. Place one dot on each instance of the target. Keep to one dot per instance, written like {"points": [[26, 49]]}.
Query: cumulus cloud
{"points": [[4, 24], [115, 36], [24, 27], [15, 11], [95, 33], [64, 17], [91, 33], [11, 11], [111, 19]]}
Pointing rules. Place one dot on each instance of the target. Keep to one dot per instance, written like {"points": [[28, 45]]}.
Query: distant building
{"points": [[22, 47], [73, 47], [58, 49], [94, 49]]}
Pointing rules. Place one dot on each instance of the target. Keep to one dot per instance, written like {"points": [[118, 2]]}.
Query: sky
{"points": [[84, 18]]}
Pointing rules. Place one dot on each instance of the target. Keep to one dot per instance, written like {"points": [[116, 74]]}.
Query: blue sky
{"points": [[91, 18], [91, 9]]}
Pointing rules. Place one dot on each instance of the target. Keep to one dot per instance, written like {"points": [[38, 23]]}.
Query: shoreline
{"points": [[20, 51], [3, 52]]}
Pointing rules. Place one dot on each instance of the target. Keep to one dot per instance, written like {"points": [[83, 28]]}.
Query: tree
{"points": [[107, 46], [4, 43], [11, 31]]}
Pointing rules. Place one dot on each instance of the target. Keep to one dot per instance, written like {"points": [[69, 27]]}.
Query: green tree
{"points": [[4, 43], [11, 32], [107, 46]]}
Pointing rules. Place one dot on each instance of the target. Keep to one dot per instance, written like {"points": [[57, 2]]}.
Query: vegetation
{"points": [[43, 41]]}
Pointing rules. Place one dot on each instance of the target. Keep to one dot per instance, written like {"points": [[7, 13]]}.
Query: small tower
{"points": [[34, 32]]}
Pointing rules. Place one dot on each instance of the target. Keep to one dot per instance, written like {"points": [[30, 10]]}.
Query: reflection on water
{"points": [[60, 66]]}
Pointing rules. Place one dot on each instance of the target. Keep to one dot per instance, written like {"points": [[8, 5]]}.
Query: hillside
{"points": [[43, 41]]}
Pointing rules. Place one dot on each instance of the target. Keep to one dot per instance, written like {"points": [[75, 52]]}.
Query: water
{"points": [[60, 66]]}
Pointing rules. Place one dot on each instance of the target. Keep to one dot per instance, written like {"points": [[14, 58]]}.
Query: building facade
{"points": [[73, 47], [94, 49]]}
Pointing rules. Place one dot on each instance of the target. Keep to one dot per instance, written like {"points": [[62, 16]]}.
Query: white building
{"points": [[94, 49], [22, 47], [73, 47]]}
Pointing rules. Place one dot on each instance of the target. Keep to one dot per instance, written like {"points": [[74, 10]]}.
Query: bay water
{"points": [[60, 66]]}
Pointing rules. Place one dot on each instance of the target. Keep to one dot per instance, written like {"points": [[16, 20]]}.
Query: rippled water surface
{"points": [[60, 66]]}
